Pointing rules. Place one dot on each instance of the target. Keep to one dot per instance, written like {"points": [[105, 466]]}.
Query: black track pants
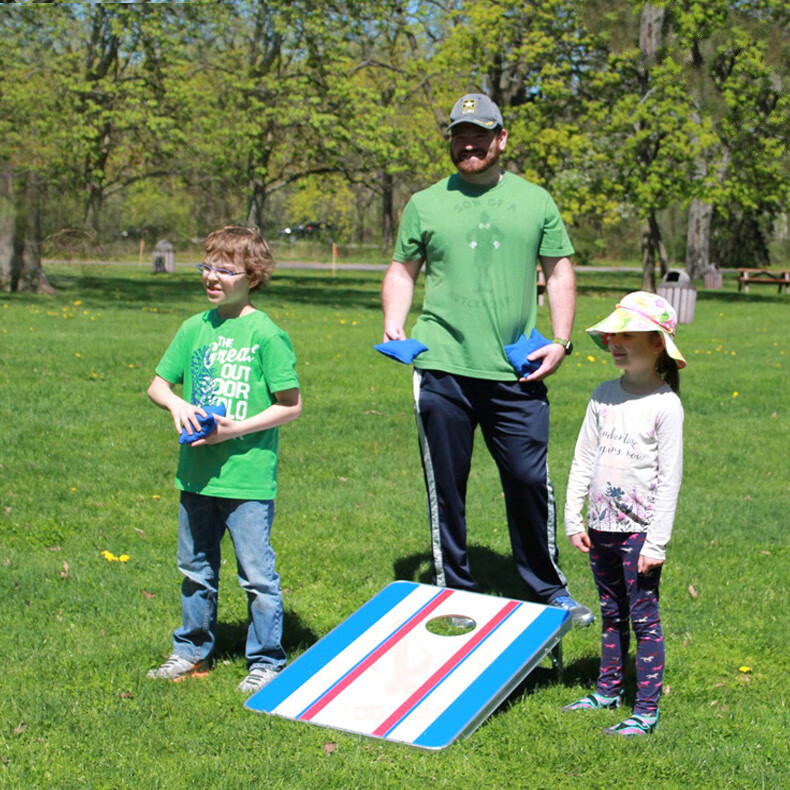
{"points": [[514, 420]]}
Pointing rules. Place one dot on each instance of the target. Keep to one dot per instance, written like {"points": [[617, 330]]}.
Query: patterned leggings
{"points": [[627, 599]]}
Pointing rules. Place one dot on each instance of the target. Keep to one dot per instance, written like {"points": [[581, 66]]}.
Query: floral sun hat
{"points": [[640, 311]]}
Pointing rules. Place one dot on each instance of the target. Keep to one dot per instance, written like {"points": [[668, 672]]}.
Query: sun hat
{"points": [[640, 311], [478, 109]]}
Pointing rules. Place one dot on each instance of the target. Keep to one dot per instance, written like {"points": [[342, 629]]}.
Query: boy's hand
{"points": [[184, 416], [582, 542], [226, 429]]}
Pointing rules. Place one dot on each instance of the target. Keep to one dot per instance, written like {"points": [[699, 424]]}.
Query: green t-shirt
{"points": [[239, 362], [481, 248]]}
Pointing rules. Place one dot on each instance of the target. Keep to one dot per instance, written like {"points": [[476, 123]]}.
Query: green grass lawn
{"points": [[87, 465]]}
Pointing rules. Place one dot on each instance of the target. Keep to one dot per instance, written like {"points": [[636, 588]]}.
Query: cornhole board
{"points": [[382, 673]]}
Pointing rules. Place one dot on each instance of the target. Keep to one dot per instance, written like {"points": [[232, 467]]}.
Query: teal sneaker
{"points": [[595, 702], [636, 725]]}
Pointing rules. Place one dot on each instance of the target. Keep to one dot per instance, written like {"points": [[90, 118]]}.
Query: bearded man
{"points": [[481, 234]]}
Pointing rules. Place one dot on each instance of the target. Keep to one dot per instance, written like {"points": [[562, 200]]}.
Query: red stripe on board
{"points": [[371, 659], [445, 669]]}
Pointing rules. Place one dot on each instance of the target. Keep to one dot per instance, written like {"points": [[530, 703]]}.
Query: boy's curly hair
{"points": [[241, 246]]}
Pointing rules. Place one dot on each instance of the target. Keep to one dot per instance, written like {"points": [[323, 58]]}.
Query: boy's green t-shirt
{"points": [[481, 248], [239, 362]]}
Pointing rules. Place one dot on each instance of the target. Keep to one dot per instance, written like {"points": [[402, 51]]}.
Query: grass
{"points": [[87, 466]]}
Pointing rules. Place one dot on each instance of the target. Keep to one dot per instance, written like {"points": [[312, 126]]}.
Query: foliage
{"points": [[232, 108]]}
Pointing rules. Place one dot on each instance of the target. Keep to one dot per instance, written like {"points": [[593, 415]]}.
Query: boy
{"points": [[232, 356]]}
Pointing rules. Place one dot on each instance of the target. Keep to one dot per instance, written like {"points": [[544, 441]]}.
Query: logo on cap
{"points": [[468, 106]]}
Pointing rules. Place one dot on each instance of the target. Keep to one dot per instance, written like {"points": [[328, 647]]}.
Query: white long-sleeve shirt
{"points": [[628, 464]]}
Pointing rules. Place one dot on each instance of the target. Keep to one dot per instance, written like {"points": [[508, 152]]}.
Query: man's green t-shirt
{"points": [[481, 248], [239, 362]]}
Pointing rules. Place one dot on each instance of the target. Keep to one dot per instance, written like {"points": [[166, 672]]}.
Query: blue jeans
{"points": [[202, 521]]}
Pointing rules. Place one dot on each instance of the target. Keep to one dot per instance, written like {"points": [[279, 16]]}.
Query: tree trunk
{"points": [[387, 219], [255, 204], [652, 250], [698, 238], [20, 235], [650, 33]]}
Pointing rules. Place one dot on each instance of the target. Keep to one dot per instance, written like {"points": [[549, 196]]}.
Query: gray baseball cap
{"points": [[478, 109]]}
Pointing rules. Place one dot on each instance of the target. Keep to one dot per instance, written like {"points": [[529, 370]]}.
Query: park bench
{"points": [[747, 277]]}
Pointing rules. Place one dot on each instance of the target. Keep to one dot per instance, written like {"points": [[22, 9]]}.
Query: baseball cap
{"points": [[478, 109]]}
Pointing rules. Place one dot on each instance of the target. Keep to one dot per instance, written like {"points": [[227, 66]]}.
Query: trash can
{"points": [[677, 289], [164, 258], [713, 278]]}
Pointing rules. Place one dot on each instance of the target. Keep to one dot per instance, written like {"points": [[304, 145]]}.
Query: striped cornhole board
{"points": [[382, 673]]}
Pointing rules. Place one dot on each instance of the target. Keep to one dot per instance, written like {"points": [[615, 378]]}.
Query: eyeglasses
{"points": [[205, 267]]}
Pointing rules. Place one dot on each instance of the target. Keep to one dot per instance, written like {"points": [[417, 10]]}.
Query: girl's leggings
{"points": [[628, 599]]}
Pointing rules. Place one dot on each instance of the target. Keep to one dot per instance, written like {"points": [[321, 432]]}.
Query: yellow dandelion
{"points": [[590, 358], [78, 303], [745, 669], [109, 556], [123, 558], [735, 394], [156, 496], [78, 355], [94, 375], [73, 490]]}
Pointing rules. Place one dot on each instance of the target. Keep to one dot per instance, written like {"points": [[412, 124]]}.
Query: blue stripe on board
{"points": [[468, 705], [316, 657]]}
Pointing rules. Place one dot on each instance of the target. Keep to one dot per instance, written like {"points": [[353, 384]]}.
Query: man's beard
{"points": [[483, 161]]}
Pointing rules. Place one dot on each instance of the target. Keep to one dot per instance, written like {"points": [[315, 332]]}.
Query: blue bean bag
{"points": [[207, 424], [402, 350], [518, 352]]}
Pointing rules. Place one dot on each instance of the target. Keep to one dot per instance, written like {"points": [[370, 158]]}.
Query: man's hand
{"points": [[551, 357]]}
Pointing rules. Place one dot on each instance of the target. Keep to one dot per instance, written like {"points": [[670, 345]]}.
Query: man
{"points": [[480, 234]]}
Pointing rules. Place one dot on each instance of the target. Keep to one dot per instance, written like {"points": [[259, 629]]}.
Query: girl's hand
{"points": [[582, 542], [646, 564]]}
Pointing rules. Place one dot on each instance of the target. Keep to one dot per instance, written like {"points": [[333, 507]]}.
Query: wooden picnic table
{"points": [[777, 277]]}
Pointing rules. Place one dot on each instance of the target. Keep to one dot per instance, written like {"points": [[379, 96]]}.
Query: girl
{"points": [[628, 465]]}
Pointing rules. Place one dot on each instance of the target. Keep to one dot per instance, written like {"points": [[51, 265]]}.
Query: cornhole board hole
{"points": [[416, 664]]}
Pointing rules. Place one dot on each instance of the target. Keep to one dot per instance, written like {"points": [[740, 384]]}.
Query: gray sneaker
{"points": [[582, 616], [257, 679], [177, 668]]}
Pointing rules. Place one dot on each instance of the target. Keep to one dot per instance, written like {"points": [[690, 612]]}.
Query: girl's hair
{"points": [[242, 246], [667, 368]]}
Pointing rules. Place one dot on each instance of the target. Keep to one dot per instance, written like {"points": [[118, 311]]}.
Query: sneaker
{"points": [[257, 679], [636, 725], [177, 668], [595, 702], [582, 616]]}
